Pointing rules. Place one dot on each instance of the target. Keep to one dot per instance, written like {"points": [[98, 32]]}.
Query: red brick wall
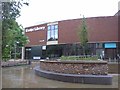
{"points": [[35, 37], [99, 29], [68, 31], [103, 29]]}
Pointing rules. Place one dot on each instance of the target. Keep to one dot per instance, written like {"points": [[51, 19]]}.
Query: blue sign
{"points": [[110, 45]]}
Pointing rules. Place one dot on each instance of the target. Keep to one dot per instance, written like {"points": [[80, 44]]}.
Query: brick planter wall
{"points": [[75, 67]]}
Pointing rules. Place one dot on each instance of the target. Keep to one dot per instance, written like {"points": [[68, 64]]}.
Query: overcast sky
{"points": [[40, 11]]}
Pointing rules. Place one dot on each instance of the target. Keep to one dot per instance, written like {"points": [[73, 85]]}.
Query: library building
{"points": [[61, 38]]}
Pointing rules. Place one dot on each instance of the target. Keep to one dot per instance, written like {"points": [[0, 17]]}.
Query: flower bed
{"points": [[75, 67]]}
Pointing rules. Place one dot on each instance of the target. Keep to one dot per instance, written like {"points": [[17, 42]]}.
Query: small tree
{"points": [[83, 35], [11, 30]]}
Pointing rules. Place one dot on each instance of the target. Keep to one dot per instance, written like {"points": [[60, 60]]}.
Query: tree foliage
{"points": [[83, 36], [12, 32]]}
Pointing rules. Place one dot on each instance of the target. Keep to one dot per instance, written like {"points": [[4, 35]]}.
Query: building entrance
{"points": [[110, 54]]}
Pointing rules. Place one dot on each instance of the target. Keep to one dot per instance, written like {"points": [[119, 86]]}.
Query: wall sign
{"points": [[43, 47], [110, 45], [36, 57], [34, 29]]}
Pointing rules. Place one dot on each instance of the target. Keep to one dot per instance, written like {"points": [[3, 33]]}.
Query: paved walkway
{"points": [[24, 77]]}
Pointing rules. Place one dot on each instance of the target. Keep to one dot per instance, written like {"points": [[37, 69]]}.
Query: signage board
{"points": [[110, 45], [34, 29]]}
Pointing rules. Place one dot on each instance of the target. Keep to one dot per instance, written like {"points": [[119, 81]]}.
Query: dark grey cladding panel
{"points": [[36, 51], [73, 78]]}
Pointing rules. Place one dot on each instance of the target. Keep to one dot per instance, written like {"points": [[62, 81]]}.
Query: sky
{"points": [[41, 11]]}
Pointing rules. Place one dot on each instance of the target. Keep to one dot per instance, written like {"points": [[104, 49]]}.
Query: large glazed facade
{"points": [[55, 39]]}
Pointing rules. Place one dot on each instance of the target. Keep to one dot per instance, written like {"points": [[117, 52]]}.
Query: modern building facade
{"points": [[55, 39]]}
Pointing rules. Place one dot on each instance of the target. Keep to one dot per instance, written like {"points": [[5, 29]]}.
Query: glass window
{"points": [[99, 45], [48, 34], [52, 27], [52, 33], [49, 27], [56, 26], [56, 34]]}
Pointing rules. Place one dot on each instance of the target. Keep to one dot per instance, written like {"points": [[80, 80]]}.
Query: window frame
{"points": [[52, 32]]}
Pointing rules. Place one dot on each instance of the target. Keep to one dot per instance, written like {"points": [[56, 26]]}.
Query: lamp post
{"points": [[15, 45]]}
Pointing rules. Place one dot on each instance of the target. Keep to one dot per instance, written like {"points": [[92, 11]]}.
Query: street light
{"points": [[8, 46], [15, 45]]}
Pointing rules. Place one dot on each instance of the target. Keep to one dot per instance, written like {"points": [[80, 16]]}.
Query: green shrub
{"points": [[78, 58]]}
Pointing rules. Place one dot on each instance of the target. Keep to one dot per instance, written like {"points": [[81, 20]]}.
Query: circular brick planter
{"points": [[76, 67], [94, 72]]}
